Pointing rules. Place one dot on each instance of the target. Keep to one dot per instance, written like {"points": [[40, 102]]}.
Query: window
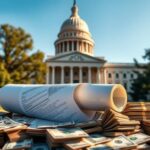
{"points": [[124, 75], [70, 45], [125, 85], [75, 73], [109, 75], [61, 47], [84, 74], [117, 75], [132, 75], [66, 73], [75, 45], [65, 46]]}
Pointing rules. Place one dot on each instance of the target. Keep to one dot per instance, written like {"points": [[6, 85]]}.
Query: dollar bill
{"points": [[18, 145], [8, 123], [86, 124], [39, 123], [97, 138], [77, 144], [139, 108], [138, 113], [93, 130], [66, 133], [133, 104], [23, 119], [121, 142], [100, 147], [143, 147], [139, 138]]}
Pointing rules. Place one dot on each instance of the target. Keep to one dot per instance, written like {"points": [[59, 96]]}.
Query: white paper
{"points": [[51, 102], [101, 96], [60, 103]]}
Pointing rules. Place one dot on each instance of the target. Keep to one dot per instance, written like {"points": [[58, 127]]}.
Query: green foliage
{"points": [[4, 75], [18, 64], [141, 86]]}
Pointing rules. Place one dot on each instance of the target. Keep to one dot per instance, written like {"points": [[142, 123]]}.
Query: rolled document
{"points": [[101, 96], [70, 102]]}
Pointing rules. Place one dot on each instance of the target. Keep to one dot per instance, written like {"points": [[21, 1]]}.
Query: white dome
{"points": [[75, 23], [74, 35]]}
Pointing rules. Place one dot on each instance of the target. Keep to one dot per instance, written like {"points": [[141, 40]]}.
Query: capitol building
{"points": [[74, 60]]}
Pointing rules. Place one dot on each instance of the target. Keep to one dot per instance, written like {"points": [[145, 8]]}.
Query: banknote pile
{"points": [[115, 124], [77, 139], [146, 126], [138, 110], [109, 131]]}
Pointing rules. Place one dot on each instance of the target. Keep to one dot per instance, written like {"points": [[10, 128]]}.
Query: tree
{"points": [[4, 75], [141, 85], [18, 64]]}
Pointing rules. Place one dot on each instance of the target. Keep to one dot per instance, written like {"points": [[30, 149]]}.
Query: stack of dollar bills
{"points": [[138, 110], [111, 131], [146, 126], [25, 144], [91, 126], [115, 124]]}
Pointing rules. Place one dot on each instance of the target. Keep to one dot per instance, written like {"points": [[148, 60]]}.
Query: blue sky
{"points": [[120, 28]]}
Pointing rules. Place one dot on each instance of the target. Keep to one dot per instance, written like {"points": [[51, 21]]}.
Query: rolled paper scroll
{"points": [[70, 102], [98, 97]]}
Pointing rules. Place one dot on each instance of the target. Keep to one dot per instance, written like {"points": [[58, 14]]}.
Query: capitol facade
{"points": [[74, 60]]}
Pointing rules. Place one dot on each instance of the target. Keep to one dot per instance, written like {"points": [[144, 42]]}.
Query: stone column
{"points": [[68, 46], [78, 48], [63, 47], [71, 74], [62, 75], [47, 75], [72, 45], [98, 75], [105, 76], [53, 75], [80, 75], [59, 48], [83, 49], [89, 75], [87, 50]]}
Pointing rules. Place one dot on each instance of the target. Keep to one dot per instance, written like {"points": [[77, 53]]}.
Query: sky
{"points": [[120, 28]]}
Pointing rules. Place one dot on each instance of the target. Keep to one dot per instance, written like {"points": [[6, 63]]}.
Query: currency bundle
{"points": [[115, 124], [64, 134], [146, 126], [118, 143], [20, 145], [143, 147], [13, 129], [139, 138], [92, 140], [91, 126], [138, 110], [17, 133]]}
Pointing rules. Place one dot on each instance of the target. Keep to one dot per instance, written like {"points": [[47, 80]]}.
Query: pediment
{"points": [[75, 57]]}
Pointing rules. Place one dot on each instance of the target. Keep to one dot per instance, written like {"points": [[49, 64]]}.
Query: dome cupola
{"points": [[74, 35]]}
